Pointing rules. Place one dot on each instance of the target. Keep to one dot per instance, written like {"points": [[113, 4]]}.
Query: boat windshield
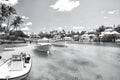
{"points": [[16, 58]]}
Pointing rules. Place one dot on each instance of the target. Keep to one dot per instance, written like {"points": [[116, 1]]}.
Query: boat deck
{"points": [[14, 69], [16, 66]]}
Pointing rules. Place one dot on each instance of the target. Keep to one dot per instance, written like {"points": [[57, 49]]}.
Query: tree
{"points": [[7, 13], [17, 22], [18, 33], [2, 29], [101, 29], [83, 32], [117, 28]]}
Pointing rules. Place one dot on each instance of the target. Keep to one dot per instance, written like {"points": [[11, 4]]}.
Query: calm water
{"points": [[92, 61]]}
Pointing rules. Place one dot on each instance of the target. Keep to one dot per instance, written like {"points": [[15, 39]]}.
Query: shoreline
{"points": [[111, 44], [71, 42]]}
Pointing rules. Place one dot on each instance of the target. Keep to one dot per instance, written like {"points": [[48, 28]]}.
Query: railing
{"points": [[5, 61]]}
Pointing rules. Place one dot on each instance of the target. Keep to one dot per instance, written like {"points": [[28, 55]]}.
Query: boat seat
{"points": [[16, 66]]}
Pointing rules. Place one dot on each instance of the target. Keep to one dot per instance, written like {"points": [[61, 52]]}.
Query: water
{"points": [[76, 62]]}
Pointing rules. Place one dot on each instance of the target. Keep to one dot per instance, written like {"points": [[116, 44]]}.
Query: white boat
{"points": [[117, 41], [59, 43], [8, 49], [15, 68], [43, 45]]}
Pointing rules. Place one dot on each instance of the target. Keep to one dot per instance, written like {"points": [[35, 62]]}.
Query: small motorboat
{"points": [[8, 49], [15, 68], [59, 43], [43, 45], [117, 41]]}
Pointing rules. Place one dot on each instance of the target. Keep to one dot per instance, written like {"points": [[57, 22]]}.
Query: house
{"points": [[88, 37], [109, 36], [2, 34]]}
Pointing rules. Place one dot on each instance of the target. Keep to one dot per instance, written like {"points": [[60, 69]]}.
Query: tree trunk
{"points": [[7, 31]]}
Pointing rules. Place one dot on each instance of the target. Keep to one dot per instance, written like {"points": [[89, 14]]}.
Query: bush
{"points": [[109, 38], [18, 34]]}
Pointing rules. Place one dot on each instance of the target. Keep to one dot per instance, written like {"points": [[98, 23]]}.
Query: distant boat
{"points": [[8, 49], [118, 41], [15, 68], [59, 43], [43, 45], [9, 41]]}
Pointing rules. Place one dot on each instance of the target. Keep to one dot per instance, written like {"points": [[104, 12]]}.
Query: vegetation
{"points": [[77, 35], [18, 33], [18, 21], [109, 38], [117, 28], [8, 16]]}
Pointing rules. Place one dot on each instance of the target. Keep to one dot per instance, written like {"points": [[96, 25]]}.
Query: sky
{"points": [[77, 15]]}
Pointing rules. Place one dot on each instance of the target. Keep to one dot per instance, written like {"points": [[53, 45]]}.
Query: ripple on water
{"points": [[72, 63]]}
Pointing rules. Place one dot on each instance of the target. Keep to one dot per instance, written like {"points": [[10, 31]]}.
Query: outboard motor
{"points": [[0, 57], [27, 59]]}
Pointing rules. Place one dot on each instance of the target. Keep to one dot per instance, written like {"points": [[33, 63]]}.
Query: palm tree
{"points": [[7, 12], [1, 21], [17, 22], [117, 28], [99, 30]]}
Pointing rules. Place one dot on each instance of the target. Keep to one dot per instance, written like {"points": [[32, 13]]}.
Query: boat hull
{"points": [[14, 75], [59, 44], [23, 77], [43, 48], [10, 42]]}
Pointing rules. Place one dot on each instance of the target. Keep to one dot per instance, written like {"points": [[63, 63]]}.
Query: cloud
{"points": [[114, 12], [28, 24], [25, 28], [59, 28], [9, 2], [105, 17], [65, 5], [97, 25], [77, 27], [24, 17], [44, 28], [103, 12]]}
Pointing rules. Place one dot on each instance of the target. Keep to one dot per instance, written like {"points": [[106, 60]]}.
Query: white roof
{"points": [[1, 33], [115, 32], [45, 38]]}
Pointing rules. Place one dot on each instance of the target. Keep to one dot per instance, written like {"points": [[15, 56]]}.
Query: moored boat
{"points": [[43, 45], [59, 43], [15, 68], [9, 41], [117, 41]]}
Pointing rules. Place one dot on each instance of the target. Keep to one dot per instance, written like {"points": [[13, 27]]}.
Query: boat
{"points": [[43, 45], [8, 49], [59, 43], [15, 68], [117, 41], [10, 42]]}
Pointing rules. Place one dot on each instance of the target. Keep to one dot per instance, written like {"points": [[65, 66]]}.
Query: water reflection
{"points": [[40, 54], [75, 62]]}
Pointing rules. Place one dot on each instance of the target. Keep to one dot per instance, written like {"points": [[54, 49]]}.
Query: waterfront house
{"points": [[88, 37], [109, 36], [2, 35]]}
